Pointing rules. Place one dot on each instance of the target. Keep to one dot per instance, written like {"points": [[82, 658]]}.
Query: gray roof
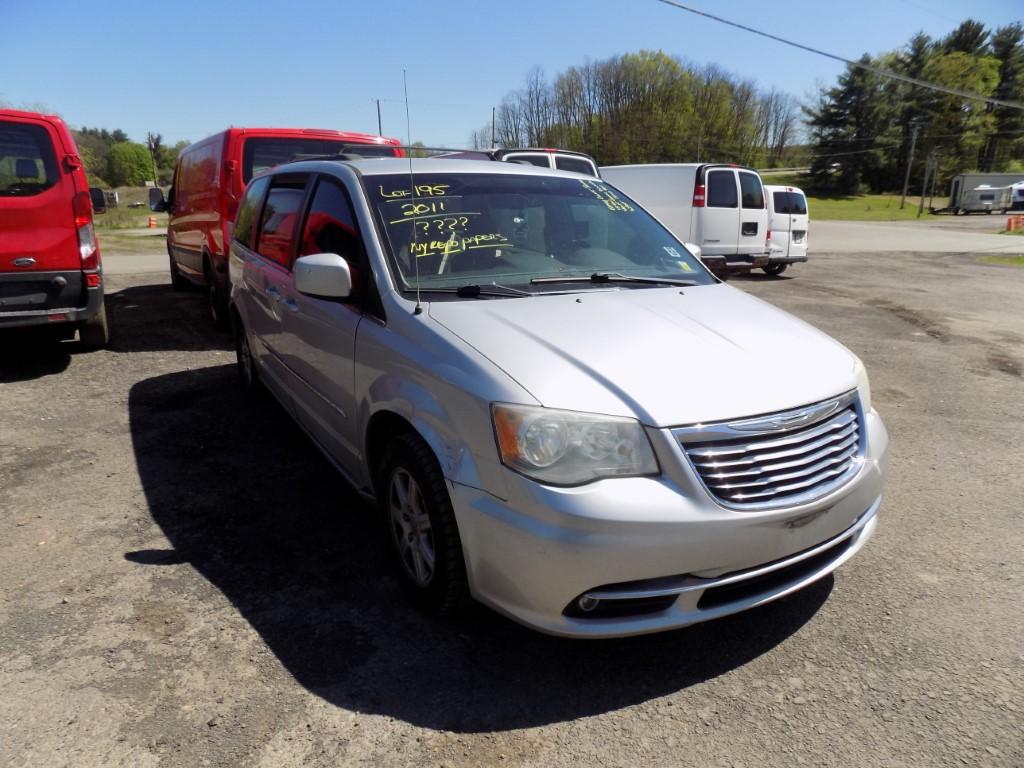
{"points": [[386, 166]]}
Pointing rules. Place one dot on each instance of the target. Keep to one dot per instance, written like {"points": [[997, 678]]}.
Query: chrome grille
{"points": [[785, 458]]}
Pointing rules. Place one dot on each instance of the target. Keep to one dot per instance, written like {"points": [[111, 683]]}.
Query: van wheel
{"points": [[421, 526], [94, 333], [774, 269], [178, 282], [218, 306]]}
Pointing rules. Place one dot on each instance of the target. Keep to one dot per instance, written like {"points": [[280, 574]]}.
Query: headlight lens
{"points": [[863, 385], [570, 448]]}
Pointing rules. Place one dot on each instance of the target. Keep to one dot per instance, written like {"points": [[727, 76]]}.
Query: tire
{"points": [[774, 269], [248, 376], [178, 282], [94, 333], [421, 529], [217, 304]]}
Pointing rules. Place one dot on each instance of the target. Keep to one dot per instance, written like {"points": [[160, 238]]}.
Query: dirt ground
{"points": [[184, 581]]}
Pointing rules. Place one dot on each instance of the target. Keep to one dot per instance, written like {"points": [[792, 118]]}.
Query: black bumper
{"points": [[786, 259], [81, 305]]}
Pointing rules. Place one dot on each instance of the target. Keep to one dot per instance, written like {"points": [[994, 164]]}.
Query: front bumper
{"points": [[535, 554]]}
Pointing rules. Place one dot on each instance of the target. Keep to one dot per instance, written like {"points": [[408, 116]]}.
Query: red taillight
{"points": [[90, 253], [698, 196], [92, 280], [83, 209], [768, 236]]}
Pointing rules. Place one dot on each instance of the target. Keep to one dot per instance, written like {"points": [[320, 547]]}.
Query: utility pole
{"points": [[380, 131], [494, 143], [935, 175], [924, 182], [910, 161]]}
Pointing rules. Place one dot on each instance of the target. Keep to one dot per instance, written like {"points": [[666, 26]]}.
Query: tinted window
{"points": [[280, 220], [260, 154], [721, 189], [789, 202], [27, 163], [753, 192], [331, 228], [541, 161], [574, 164], [250, 210]]}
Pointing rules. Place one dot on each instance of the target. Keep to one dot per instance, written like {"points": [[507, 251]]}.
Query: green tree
{"points": [[129, 164]]}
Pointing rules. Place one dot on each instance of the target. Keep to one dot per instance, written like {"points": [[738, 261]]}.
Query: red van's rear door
{"points": [[40, 261], [37, 223]]}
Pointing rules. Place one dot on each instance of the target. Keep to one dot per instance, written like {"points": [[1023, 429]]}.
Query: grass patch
{"points": [[1006, 261], [1018, 232], [864, 208], [126, 217], [111, 242]]}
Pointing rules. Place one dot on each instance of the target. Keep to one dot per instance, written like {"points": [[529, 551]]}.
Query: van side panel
{"points": [[666, 191], [196, 215]]}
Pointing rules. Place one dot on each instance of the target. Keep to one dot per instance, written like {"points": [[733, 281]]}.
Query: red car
{"points": [[209, 183], [50, 272]]}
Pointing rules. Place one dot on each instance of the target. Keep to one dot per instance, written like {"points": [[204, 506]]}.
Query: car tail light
{"points": [[698, 196], [86, 234], [768, 236]]}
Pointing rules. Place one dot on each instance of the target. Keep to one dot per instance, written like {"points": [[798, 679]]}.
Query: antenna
{"points": [[412, 193]]}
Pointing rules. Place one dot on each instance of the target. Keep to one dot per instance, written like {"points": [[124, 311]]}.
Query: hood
{"points": [[666, 356]]}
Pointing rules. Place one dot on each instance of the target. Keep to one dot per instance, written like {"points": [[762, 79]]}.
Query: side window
{"points": [[249, 211], [753, 192], [721, 191], [541, 161], [574, 164], [280, 219], [331, 227]]}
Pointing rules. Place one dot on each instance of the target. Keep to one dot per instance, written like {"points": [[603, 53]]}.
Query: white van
{"points": [[788, 219], [720, 208]]}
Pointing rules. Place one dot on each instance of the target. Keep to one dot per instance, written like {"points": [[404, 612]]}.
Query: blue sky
{"points": [[189, 68]]}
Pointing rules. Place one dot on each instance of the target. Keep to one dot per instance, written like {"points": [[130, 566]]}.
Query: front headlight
{"points": [[863, 385], [570, 448]]}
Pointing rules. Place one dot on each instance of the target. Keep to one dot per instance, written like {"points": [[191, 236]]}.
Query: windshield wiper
{"points": [[472, 290], [611, 277]]}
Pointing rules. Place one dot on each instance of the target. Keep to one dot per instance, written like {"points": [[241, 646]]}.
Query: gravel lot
{"points": [[186, 582]]}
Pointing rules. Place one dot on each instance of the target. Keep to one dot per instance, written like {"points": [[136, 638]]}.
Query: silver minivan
{"points": [[556, 407]]}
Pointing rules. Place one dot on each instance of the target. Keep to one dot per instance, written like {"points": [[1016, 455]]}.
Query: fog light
{"points": [[588, 604]]}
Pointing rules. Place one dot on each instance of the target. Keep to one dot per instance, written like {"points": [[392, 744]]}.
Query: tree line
{"points": [[863, 127], [111, 159], [648, 107]]}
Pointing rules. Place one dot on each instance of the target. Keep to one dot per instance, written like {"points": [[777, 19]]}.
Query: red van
{"points": [[208, 186], [50, 273]]}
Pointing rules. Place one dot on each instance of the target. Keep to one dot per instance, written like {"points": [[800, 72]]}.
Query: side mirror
{"points": [[323, 276], [694, 249], [99, 200], [157, 203]]}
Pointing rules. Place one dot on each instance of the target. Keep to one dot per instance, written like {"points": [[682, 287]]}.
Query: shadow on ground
{"points": [[265, 518], [29, 354], [156, 318]]}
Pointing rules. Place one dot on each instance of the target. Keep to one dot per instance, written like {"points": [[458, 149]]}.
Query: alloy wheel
{"points": [[410, 527]]}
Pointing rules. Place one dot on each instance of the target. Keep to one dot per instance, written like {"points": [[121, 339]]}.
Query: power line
{"points": [[860, 65]]}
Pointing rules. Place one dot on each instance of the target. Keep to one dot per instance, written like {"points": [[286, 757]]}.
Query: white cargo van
{"points": [[720, 208], [788, 220]]}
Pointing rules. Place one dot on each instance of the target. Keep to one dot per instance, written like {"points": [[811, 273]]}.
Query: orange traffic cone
{"points": [[152, 222]]}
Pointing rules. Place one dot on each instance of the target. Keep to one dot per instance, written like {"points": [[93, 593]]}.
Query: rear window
{"points": [[27, 163], [260, 154], [789, 202], [574, 164], [753, 192], [721, 189]]}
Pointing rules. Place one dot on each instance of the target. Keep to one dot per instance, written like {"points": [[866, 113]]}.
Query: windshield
{"points": [[259, 154], [478, 228]]}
